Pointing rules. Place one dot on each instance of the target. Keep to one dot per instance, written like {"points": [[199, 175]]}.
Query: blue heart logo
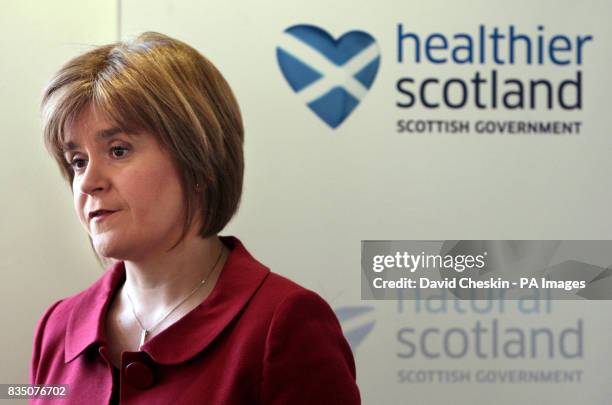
{"points": [[330, 76]]}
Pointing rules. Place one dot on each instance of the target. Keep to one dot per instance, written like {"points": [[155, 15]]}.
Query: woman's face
{"points": [[131, 175]]}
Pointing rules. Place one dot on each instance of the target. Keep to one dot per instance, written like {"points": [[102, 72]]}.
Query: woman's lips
{"points": [[103, 216]]}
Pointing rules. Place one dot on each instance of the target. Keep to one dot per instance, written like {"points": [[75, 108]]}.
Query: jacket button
{"points": [[138, 375]]}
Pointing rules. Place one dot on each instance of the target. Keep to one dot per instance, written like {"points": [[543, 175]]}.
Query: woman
{"points": [[149, 136]]}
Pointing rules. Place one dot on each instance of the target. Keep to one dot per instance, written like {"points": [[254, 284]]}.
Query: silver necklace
{"points": [[145, 332]]}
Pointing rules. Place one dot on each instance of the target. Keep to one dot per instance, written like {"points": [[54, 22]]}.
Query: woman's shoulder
{"points": [[281, 290], [50, 335], [288, 302], [56, 316], [270, 291]]}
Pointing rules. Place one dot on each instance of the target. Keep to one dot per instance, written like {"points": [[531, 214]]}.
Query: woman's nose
{"points": [[94, 178]]}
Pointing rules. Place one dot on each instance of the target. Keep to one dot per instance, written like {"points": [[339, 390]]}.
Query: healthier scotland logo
{"points": [[330, 76], [479, 69]]}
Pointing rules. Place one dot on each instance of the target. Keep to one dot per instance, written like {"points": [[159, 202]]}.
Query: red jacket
{"points": [[257, 339]]}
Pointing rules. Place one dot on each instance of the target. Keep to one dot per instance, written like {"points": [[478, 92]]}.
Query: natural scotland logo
{"points": [[330, 76]]}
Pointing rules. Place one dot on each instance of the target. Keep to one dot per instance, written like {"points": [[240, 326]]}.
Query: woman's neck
{"points": [[158, 283]]}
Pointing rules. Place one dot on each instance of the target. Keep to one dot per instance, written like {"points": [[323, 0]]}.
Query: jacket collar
{"points": [[239, 280]]}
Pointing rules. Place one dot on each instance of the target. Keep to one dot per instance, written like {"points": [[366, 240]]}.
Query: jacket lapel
{"points": [[240, 278]]}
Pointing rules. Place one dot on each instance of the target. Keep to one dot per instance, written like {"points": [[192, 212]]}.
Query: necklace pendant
{"points": [[143, 338]]}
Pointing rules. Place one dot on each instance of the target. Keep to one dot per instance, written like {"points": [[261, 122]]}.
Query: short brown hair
{"points": [[161, 85]]}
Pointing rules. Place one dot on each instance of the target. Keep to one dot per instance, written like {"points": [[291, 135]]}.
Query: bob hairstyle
{"points": [[165, 87]]}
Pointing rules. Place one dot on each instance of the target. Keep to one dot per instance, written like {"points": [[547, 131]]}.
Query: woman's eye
{"points": [[119, 151], [76, 164]]}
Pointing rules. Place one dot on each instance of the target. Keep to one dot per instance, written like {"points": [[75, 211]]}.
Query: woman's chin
{"points": [[110, 248]]}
